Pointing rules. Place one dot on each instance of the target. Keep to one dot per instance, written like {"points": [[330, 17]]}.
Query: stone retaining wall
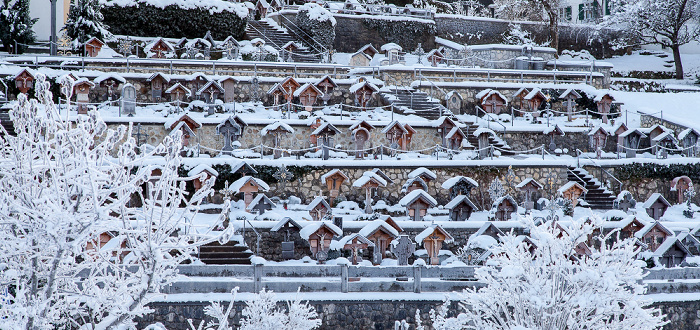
{"points": [[649, 121], [380, 315]]}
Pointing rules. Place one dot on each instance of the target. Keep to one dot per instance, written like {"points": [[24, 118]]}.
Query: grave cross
{"points": [[261, 207], [552, 207], [231, 132], [255, 90], [191, 52], [64, 45], [510, 180], [283, 175], [496, 190], [403, 249], [550, 182], [140, 137], [125, 46], [228, 48], [355, 247]]}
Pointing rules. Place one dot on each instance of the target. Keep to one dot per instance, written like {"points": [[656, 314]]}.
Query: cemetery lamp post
{"points": [[52, 42]]}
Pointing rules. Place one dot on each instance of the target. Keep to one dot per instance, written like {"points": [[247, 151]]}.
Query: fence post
{"points": [[417, 273], [171, 66], [257, 273], [344, 278], [127, 65], [491, 149], [542, 151]]}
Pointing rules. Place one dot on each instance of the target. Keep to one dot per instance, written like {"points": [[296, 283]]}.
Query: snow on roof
{"points": [[601, 94], [441, 121], [449, 183], [485, 227], [455, 131], [424, 172], [317, 12], [520, 91], [630, 131], [501, 199], [569, 185], [306, 86], [360, 124], [649, 226], [333, 172], [83, 80], [389, 46], [314, 226], [490, 93], [570, 92], [375, 225], [278, 125], [212, 6], [106, 76], [193, 42], [155, 41], [327, 77], [349, 238], [458, 200], [529, 181], [556, 130], [354, 88], [686, 132], [534, 92], [414, 195], [665, 135], [176, 86], [280, 224], [667, 244], [410, 182], [482, 130], [235, 119], [182, 125], [238, 184], [210, 83], [449, 44], [485, 242], [201, 168], [392, 124], [432, 228], [653, 198], [596, 129], [318, 201], [368, 46], [19, 72], [325, 126], [258, 198], [367, 177], [171, 121]]}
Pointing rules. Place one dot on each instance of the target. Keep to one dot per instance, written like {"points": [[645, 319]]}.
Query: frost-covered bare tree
{"points": [[669, 23], [550, 283], [533, 10], [74, 252], [554, 280]]}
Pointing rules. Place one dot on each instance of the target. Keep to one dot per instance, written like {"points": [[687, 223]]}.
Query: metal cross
{"points": [[552, 207], [228, 47], [255, 90], [510, 179], [125, 46], [496, 190], [64, 45], [550, 181], [283, 176], [138, 135], [191, 53]]}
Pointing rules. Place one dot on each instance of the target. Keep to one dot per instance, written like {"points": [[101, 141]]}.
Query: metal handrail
{"points": [[257, 234], [316, 44], [265, 36], [602, 170], [488, 122], [432, 83]]}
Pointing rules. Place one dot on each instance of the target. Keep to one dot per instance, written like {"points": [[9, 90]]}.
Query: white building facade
{"points": [[41, 9]]}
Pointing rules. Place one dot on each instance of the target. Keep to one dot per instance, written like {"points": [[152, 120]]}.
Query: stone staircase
{"points": [[409, 101], [278, 38], [493, 140], [6, 122], [598, 197], [230, 253]]}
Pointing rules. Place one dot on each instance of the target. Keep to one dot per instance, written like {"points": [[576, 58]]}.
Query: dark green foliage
{"points": [[16, 25], [173, 22], [85, 21], [266, 173], [403, 33], [586, 102], [637, 171], [322, 32], [567, 207]]}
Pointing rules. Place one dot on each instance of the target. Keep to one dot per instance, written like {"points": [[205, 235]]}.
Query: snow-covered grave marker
{"points": [[403, 249], [127, 105], [231, 130]]}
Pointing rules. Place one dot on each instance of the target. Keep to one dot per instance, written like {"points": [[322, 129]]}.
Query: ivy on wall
{"points": [[406, 34], [636, 172], [172, 22]]}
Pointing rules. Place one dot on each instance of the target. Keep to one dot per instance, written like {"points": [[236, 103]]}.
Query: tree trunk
{"points": [[677, 60], [554, 31]]}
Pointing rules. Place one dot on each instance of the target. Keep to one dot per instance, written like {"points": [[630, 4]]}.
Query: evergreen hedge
{"points": [[145, 20]]}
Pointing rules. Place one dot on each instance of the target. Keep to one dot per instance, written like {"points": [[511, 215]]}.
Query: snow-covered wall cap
{"points": [[317, 13], [510, 47], [449, 183], [367, 177], [202, 168], [238, 184], [213, 6], [414, 195], [423, 172], [278, 125]]}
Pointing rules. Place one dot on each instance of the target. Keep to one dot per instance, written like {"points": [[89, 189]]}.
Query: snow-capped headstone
{"points": [[128, 102], [403, 249]]}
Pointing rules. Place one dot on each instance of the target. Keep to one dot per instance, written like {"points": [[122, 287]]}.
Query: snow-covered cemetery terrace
{"points": [[504, 164]]}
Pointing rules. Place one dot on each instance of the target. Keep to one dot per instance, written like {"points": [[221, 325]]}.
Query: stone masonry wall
{"points": [[378, 315], [649, 121]]}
